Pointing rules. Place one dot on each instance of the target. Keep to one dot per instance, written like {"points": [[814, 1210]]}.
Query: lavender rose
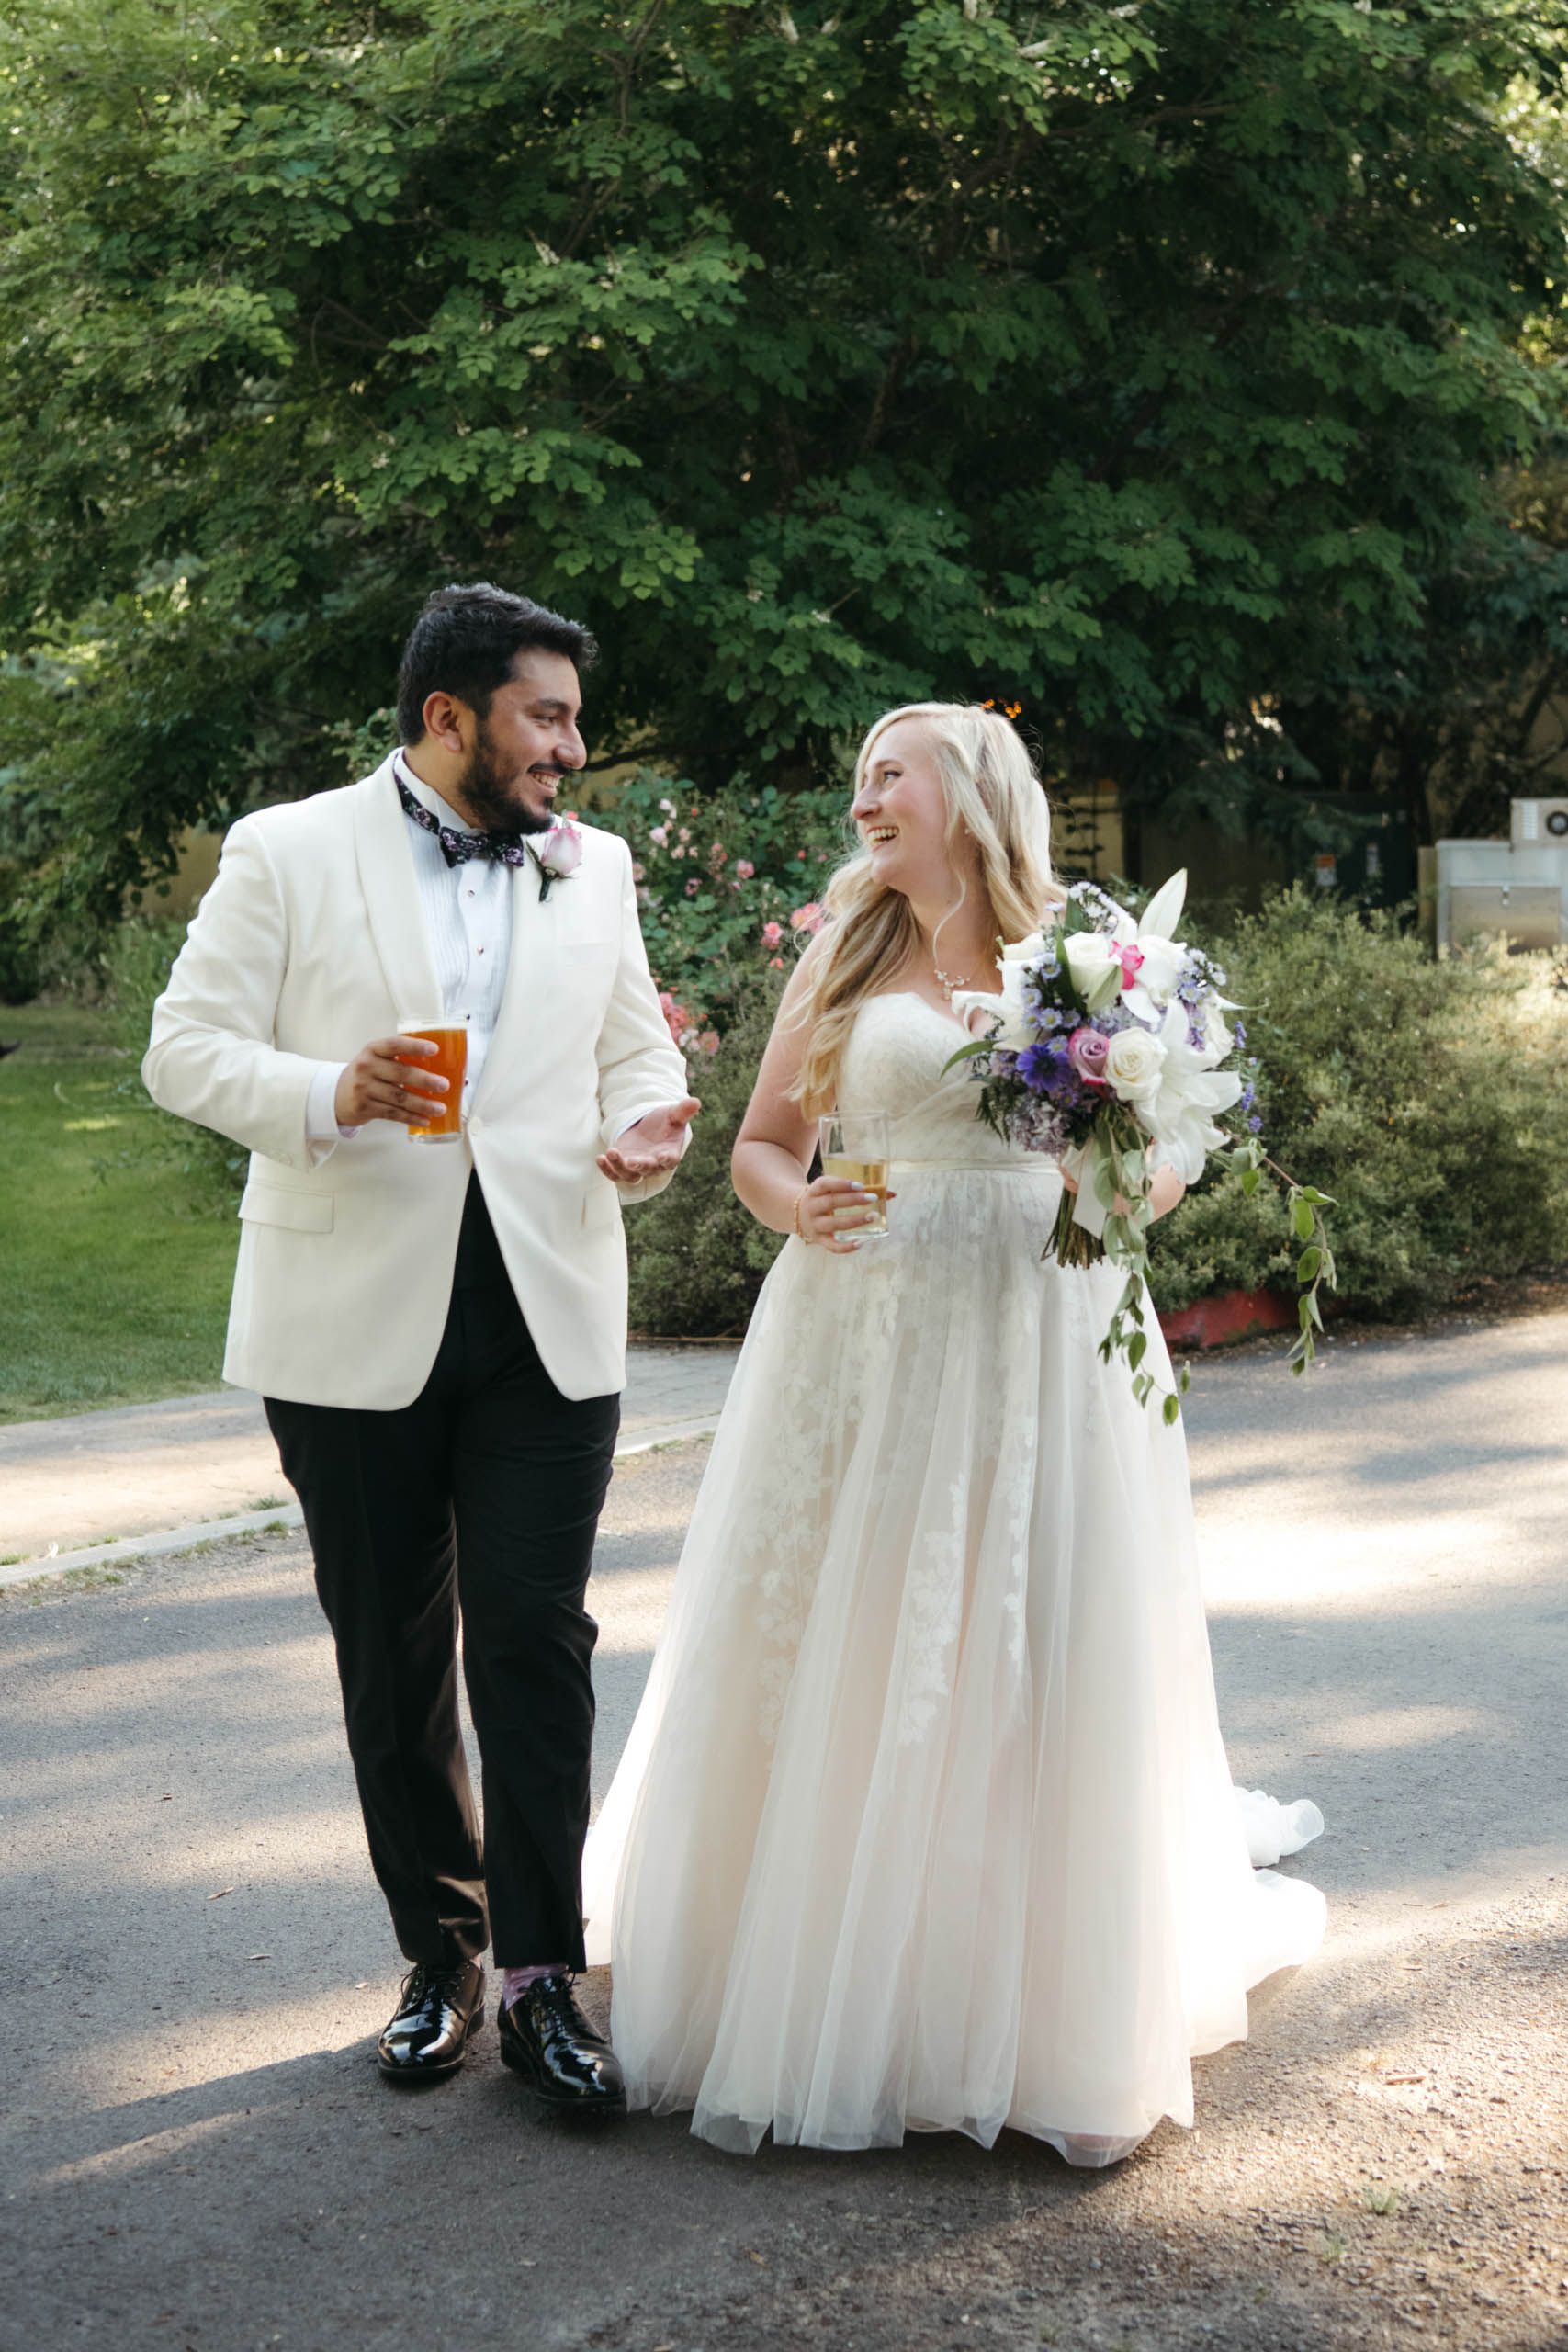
{"points": [[1087, 1050]]}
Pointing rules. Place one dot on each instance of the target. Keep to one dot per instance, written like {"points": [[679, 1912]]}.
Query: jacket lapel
{"points": [[391, 899]]}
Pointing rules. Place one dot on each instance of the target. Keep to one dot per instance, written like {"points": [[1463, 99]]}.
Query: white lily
{"points": [[1006, 1014], [1147, 994], [1193, 1093]]}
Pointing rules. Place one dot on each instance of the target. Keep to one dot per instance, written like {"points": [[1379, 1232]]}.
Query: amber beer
{"points": [[451, 1059]]}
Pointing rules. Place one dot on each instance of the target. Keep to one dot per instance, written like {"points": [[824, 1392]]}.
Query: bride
{"points": [[925, 1823]]}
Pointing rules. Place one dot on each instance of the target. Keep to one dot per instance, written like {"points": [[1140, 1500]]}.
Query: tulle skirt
{"points": [[925, 1822]]}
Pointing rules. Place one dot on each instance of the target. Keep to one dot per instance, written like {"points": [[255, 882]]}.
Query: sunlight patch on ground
{"points": [[1341, 1563]]}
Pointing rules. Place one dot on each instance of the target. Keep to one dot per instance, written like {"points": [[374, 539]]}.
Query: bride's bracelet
{"points": [[794, 1215]]}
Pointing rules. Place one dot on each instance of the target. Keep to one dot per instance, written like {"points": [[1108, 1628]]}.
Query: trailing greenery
{"points": [[1150, 366], [1430, 1100]]}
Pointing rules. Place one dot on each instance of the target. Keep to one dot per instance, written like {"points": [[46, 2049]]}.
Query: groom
{"points": [[438, 1326]]}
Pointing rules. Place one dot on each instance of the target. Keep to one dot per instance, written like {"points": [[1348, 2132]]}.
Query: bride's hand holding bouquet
{"points": [[1107, 1047]]}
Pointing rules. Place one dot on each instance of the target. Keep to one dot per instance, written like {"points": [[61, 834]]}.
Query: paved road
{"points": [[197, 2151], [89, 1478]]}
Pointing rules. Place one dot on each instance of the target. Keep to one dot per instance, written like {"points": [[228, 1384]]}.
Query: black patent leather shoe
{"points": [[440, 2009], [546, 2038]]}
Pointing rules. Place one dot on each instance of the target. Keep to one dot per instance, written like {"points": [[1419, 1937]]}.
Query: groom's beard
{"points": [[492, 798]]}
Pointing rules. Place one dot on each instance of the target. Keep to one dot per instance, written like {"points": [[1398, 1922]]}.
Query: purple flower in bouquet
{"points": [[1086, 1049], [1048, 1069]]}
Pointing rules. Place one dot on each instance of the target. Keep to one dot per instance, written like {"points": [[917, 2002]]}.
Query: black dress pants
{"points": [[483, 1496]]}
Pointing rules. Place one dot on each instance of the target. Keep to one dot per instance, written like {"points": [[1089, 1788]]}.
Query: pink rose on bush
{"points": [[806, 918], [661, 834], [1086, 1049], [677, 1020], [708, 1041], [719, 854], [693, 886], [771, 933], [744, 869]]}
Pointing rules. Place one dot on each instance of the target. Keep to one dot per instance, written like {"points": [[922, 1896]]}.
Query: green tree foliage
{"points": [[1150, 364]]}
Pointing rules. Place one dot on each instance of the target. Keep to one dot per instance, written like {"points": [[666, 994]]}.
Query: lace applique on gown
{"points": [[925, 1822]]}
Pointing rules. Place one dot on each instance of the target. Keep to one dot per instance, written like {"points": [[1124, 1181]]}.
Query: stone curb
{"points": [[161, 1541]]}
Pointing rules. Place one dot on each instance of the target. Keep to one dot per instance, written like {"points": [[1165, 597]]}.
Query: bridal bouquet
{"points": [[1108, 1048]]}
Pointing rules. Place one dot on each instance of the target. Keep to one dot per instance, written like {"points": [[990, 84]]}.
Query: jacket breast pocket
{"points": [[301, 1212]]}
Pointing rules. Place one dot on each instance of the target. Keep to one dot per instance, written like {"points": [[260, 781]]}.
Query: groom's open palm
{"points": [[654, 1144]]}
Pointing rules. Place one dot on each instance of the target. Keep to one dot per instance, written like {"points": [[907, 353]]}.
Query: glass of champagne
{"points": [[855, 1144], [449, 1061]]}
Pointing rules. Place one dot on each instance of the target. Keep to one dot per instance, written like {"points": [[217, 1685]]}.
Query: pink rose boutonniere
{"points": [[558, 856]]}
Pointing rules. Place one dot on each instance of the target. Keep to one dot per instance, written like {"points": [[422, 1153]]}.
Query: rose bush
{"points": [[727, 886]]}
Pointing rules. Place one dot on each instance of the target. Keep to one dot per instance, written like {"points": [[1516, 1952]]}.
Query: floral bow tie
{"points": [[508, 849], [559, 854]]}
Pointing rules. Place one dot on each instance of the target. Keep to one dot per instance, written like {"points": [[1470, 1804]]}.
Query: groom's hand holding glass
{"points": [[384, 1082]]}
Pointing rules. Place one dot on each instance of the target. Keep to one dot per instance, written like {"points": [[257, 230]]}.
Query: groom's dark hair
{"points": [[464, 642]]}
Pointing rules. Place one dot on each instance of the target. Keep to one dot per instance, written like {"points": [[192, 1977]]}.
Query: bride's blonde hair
{"points": [[993, 794]]}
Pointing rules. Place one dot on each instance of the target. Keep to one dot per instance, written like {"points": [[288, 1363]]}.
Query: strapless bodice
{"points": [[894, 1062]]}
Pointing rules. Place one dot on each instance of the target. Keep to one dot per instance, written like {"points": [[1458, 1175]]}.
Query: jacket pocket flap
{"points": [[302, 1212], [600, 1203]]}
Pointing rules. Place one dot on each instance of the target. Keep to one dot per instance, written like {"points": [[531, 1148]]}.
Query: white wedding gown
{"points": [[925, 1822]]}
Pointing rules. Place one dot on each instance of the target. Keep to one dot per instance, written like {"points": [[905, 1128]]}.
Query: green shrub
{"points": [[1429, 1099], [22, 972], [698, 1257]]}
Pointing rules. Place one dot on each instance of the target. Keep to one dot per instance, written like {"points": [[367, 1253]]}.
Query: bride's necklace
{"points": [[947, 983]]}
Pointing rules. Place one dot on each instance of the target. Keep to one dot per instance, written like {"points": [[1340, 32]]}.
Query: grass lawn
{"points": [[114, 1268]]}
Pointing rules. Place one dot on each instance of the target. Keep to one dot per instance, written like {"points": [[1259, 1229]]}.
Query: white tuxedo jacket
{"points": [[311, 942]]}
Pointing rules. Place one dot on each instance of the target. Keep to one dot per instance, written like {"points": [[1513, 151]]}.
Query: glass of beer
{"points": [[855, 1144], [449, 1061]]}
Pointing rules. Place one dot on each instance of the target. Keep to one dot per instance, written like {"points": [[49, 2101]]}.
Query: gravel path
{"points": [[197, 2153]]}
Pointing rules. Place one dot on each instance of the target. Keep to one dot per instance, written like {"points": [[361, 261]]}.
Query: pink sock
{"points": [[517, 1981]]}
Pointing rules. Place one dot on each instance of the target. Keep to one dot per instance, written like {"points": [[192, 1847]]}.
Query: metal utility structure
{"points": [[1517, 888]]}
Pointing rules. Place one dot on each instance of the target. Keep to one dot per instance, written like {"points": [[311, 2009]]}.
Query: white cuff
{"points": [[322, 1124]]}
